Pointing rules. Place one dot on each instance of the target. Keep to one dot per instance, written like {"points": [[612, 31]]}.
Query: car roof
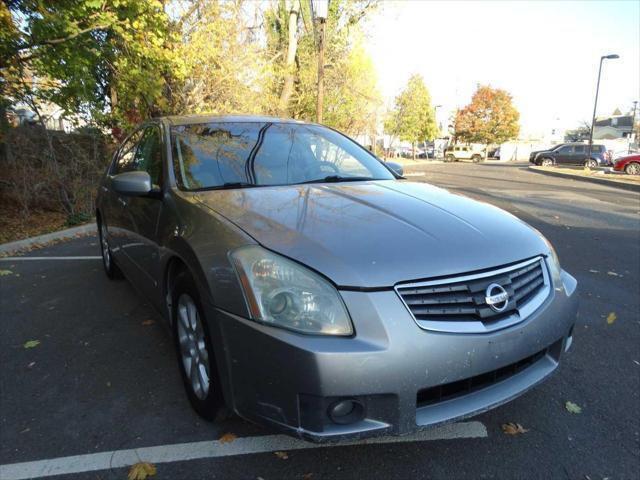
{"points": [[196, 119]]}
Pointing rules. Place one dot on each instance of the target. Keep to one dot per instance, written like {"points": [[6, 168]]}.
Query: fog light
{"points": [[346, 411]]}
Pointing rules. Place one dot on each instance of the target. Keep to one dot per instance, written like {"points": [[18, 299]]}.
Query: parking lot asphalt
{"points": [[103, 377]]}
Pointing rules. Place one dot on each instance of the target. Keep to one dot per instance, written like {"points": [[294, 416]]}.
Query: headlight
{"points": [[284, 294], [554, 264]]}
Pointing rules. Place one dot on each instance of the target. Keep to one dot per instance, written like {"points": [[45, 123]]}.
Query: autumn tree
{"points": [[110, 59], [225, 69], [413, 118], [491, 117], [351, 97]]}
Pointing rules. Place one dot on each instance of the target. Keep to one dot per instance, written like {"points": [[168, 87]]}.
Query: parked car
{"points": [[629, 164], [494, 153], [571, 154], [455, 153], [309, 287]]}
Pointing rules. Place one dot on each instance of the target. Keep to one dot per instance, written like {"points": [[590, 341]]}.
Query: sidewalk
{"points": [[48, 238], [625, 182]]}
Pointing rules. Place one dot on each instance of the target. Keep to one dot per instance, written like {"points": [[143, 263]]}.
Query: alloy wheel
{"points": [[104, 243], [633, 169], [193, 347], [591, 163], [546, 162]]}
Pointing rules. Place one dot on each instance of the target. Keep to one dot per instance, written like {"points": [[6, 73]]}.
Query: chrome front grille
{"points": [[460, 304]]}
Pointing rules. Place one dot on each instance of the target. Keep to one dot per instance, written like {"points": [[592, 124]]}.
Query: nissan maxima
{"points": [[309, 287]]}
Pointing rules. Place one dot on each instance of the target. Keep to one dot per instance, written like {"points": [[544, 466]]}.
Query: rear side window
{"points": [[580, 149]]}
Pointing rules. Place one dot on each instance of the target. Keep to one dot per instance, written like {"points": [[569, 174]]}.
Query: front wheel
{"points": [[195, 353], [632, 168], [591, 163], [450, 158], [109, 264]]}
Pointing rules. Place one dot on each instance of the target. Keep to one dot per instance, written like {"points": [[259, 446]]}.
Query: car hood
{"points": [[379, 233]]}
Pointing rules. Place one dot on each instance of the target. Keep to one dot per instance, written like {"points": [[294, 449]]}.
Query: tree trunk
{"points": [[287, 89], [413, 149]]}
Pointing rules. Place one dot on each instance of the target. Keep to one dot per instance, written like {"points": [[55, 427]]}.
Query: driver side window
{"points": [[142, 151]]}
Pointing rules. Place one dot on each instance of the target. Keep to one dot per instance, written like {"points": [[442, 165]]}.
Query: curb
{"points": [[18, 245], [600, 181]]}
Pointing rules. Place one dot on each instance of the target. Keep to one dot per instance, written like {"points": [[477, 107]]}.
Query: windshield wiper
{"points": [[336, 179], [227, 185]]}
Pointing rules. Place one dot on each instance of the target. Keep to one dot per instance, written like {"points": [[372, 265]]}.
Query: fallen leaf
{"points": [[141, 470], [31, 365], [26, 430], [572, 407], [4, 273], [148, 322], [281, 455], [31, 343], [594, 271], [227, 438], [513, 428], [611, 318], [613, 274]]}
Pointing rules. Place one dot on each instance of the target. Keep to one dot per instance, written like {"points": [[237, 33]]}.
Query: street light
{"points": [[320, 10], [613, 56]]}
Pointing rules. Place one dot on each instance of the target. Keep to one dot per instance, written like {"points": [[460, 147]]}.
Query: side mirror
{"points": [[396, 167], [132, 183]]}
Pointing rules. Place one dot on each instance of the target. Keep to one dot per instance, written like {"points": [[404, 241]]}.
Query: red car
{"points": [[629, 164]]}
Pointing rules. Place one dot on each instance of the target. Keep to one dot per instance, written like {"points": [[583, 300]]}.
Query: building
{"points": [[613, 127]]}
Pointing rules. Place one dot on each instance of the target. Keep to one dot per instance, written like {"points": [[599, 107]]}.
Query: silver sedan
{"points": [[311, 288]]}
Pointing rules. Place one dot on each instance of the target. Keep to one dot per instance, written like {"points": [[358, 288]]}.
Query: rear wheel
{"points": [[476, 158], [109, 264], [591, 163], [546, 162], [632, 168], [195, 353]]}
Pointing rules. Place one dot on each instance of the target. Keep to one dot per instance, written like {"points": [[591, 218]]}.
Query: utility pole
{"points": [[320, 11], [320, 99], [634, 134], [595, 103]]}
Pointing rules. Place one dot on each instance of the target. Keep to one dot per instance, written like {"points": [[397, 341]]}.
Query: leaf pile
{"points": [[513, 428], [141, 470]]}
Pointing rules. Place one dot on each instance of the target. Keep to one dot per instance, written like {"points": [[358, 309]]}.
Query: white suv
{"points": [[455, 153]]}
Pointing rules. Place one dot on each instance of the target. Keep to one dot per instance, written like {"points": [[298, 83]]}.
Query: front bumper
{"points": [[405, 377]]}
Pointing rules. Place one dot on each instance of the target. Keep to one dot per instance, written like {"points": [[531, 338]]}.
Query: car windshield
{"points": [[246, 154]]}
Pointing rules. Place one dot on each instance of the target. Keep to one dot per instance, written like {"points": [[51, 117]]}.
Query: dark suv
{"points": [[571, 154]]}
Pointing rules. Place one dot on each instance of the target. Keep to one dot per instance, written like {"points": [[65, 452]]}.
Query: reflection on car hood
{"points": [[378, 233]]}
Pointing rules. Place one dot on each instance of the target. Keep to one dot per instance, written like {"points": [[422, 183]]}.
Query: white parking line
{"points": [[212, 449], [18, 259]]}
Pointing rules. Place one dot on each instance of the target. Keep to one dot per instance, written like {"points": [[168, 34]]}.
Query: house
{"points": [[612, 127]]}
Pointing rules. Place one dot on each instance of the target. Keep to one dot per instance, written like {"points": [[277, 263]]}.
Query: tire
{"points": [[546, 162], [450, 158], [591, 163], [108, 262], [632, 168], [476, 158], [193, 346]]}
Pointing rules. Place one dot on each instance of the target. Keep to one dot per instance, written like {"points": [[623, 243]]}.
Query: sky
{"points": [[545, 53]]}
